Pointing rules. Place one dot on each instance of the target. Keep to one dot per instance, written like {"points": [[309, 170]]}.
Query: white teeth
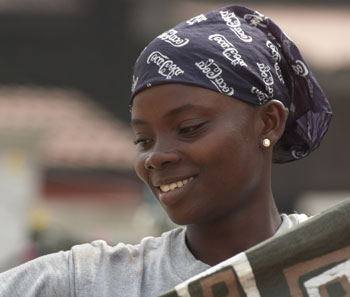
{"points": [[173, 186], [165, 188]]}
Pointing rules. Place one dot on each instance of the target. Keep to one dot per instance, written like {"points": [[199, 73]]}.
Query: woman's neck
{"points": [[215, 242]]}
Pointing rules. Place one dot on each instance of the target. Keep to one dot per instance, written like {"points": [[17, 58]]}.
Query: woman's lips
{"points": [[175, 185], [172, 193]]}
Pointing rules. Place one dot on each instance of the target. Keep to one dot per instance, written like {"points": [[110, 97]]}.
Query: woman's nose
{"points": [[158, 159]]}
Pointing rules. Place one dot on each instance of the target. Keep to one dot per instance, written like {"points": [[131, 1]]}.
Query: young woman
{"points": [[215, 101]]}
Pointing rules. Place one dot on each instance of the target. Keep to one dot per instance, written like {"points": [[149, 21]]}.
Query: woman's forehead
{"points": [[173, 95], [172, 99]]}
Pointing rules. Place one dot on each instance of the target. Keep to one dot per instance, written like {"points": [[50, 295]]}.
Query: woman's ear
{"points": [[274, 116]]}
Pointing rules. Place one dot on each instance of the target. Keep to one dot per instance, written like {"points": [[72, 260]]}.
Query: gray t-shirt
{"points": [[147, 269]]}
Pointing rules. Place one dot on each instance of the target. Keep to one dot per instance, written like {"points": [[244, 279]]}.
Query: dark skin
{"points": [[210, 145]]}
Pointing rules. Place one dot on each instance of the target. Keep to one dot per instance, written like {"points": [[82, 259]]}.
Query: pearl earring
{"points": [[266, 142]]}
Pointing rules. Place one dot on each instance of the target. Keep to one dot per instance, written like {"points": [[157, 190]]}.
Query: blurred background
{"points": [[66, 152]]}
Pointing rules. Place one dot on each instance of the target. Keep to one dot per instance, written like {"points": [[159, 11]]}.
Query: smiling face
{"points": [[198, 151]]}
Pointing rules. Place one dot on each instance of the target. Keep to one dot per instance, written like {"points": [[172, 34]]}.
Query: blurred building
{"points": [[19, 187], [66, 166]]}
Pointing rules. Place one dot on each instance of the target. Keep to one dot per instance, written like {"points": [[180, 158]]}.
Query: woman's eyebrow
{"points": [[135, 122], [170, 113], [182, 108]]}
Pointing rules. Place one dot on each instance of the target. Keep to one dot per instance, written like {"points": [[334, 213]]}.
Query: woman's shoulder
{"points": [[125, 269], [88, 258], [100, 248]]}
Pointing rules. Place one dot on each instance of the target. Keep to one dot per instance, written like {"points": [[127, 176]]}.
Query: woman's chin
{"points": [[180, 218]]}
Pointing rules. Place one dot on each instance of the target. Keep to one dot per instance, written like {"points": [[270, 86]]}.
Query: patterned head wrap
{"points": [[241, 53]]}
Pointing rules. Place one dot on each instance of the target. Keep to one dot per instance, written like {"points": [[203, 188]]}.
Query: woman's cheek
{"points": [[139, 165]]}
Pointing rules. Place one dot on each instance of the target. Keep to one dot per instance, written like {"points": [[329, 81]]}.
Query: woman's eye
{"points": [[191, 129], [142, 143]]}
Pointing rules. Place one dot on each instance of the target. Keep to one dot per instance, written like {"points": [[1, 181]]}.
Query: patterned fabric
{"points": [[311, 260], [241, 53]]}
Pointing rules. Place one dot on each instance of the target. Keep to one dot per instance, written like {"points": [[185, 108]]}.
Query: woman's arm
{"points": [[50, 275]]}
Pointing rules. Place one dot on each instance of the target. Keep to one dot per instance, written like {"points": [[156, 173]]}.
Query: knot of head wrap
{"points": [[241, 53]]}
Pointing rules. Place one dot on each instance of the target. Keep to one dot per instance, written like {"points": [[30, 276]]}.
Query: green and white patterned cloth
{"points": [[312, 259]]}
